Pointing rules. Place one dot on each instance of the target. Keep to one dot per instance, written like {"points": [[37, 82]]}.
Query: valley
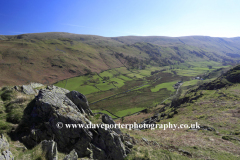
{"points": [[120, 92], [147, 80], [54, 56]]}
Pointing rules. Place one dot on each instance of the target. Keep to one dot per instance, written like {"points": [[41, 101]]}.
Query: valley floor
{"points": [[121, 92]]}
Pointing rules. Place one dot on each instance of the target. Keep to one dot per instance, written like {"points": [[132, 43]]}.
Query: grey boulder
{"points": [[53, 112], [71, 156], [5, 154]]}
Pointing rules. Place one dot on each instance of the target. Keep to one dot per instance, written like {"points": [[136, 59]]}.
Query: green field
{"points": [[190, 83], [61, 84], [191, 73], [128, 111], [105, 86], [135, 75], [103, 111], [75, 82], [116, 82], [145, 72], [107, 74], [168, 86], [86, 89], [123, 70], [124, 78]]}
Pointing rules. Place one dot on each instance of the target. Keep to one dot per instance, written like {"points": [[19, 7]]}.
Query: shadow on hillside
{"points": [[25, 124]]}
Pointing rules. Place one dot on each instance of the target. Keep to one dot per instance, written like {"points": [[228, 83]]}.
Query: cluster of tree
{"points": [[105, 78], [154, 72], [150, 49], [94, 80], [117, 55], [196, 53], [133, 62], [210, 67], [154, 58]]}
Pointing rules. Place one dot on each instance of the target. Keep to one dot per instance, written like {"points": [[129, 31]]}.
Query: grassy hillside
{"points": [[51, 57], [213, 44], [217, 112], [229, 78]]}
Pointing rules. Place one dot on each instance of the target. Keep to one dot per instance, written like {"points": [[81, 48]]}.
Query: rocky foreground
{"points": [[4, 149], [52, 105]]}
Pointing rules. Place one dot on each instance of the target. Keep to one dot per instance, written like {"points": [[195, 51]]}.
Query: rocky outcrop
{"points": [[151, 120], [201, 127], [36, 85], [230, 138], [71, 156], [53, 110], [49, 149], [27, 89], [108, 120], [108, 142], [80, 101], [5, 154]]}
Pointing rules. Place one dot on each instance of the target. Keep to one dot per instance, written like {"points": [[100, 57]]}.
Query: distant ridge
{"points": [[53, 56]]}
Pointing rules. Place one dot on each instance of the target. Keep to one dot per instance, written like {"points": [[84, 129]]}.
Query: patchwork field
{"points": [[122, 92]]}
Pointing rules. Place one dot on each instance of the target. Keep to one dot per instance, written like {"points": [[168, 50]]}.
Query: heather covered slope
{"points": [[50, 57]]}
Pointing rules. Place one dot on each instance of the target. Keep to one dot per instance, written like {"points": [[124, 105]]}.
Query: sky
{"points": [[112, 18]]}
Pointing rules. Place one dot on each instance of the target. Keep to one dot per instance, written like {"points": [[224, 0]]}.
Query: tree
{"points": [[210, 67]]}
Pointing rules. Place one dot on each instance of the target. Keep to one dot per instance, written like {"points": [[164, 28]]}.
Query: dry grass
{"points": [[213, 110], [134, 118], [181, 139], [21, 98]]}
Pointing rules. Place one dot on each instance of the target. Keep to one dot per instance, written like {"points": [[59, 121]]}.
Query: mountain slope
{"points": [[228, 79], [216, 111], [225, 45], [50, 57]]}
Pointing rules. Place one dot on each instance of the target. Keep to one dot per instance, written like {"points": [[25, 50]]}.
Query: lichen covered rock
{"points": [[71, 156], [5, 154], [80, 101], [53, 109], [49, 148]]}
